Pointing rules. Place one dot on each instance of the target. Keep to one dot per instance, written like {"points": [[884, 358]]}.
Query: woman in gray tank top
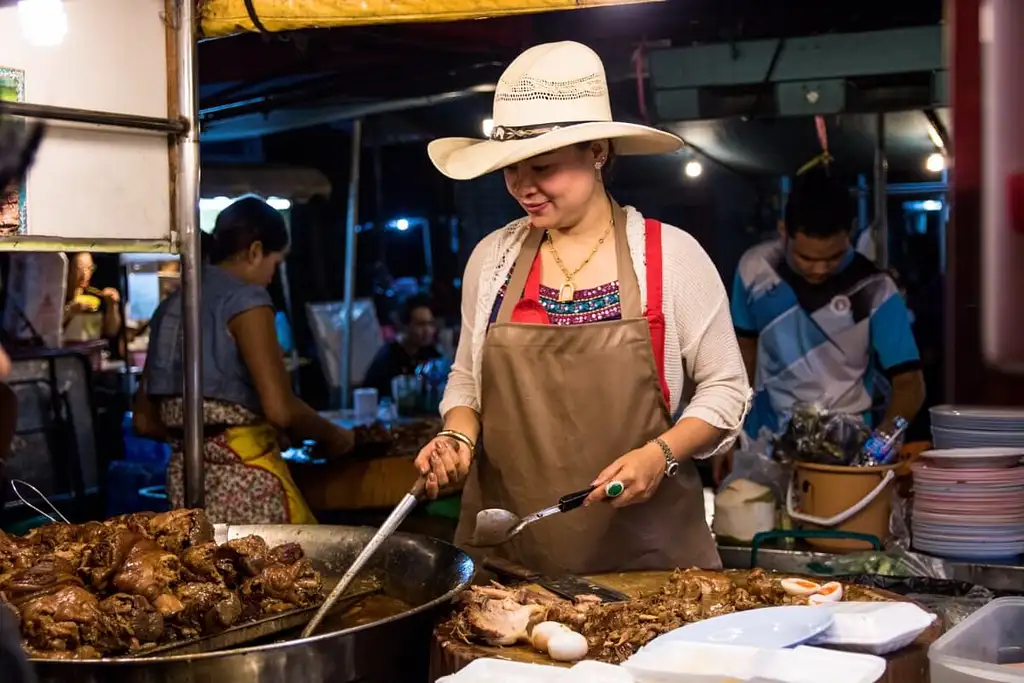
{"points": [[247, 395]]}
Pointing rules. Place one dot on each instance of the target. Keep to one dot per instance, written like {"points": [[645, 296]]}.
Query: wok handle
{"points": [[419, 488], [571, 501], [508, 570]]}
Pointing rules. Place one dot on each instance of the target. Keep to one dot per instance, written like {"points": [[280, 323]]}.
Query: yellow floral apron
{"points": [[247, 480]]}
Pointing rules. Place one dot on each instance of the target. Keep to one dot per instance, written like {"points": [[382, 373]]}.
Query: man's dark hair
{"points": [[819, 205], [410, 304], [244, 222]]}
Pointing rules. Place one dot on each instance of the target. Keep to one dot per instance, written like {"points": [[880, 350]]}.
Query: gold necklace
{"points": [[568, 290]]}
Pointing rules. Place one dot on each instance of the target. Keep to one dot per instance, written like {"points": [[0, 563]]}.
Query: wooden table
{"points": [[448, 655]]}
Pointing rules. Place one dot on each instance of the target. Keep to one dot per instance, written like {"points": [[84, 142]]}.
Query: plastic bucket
{"points": [[856, 499]]}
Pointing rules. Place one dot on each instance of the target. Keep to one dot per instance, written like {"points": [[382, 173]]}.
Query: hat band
{"points": [[510, 133]]}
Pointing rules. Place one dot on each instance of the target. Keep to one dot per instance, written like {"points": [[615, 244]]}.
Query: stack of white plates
{"points": [[977, 427], [969, 503]]}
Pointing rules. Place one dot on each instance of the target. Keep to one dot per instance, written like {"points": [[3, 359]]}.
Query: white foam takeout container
{"points": [[682, 662], [503, 671], [874, 627]]}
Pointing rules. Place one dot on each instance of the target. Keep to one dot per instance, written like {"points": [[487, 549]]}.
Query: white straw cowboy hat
{"points": [[550, 96]]}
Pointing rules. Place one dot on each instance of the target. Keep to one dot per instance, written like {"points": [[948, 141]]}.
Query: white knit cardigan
{"points": [[699, 329]]}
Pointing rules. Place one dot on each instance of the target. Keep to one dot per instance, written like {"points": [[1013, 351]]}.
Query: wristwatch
{"points": [[671, 464]]}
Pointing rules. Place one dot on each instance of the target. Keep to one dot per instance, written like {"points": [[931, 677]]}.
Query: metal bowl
{"points": [[421, 571]]}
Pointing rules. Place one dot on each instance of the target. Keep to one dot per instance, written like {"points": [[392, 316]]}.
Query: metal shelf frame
{"points": [[184, 238]]}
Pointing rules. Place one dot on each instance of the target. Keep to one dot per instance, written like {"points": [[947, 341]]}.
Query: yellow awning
{"points": [[226, 17]]}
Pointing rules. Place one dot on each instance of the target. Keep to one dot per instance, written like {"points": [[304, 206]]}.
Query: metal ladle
{"points": [[495, 526], [397, 516]]}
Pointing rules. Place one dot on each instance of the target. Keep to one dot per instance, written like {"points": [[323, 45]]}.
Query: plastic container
{"points": [[984, 647]]}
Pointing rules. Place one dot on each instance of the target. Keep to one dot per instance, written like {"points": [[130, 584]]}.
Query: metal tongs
{"points": [[495, 526], [397, 516], [60, 518]]}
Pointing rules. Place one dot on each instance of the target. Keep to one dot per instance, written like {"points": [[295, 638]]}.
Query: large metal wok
{"points": [[421, 571]]}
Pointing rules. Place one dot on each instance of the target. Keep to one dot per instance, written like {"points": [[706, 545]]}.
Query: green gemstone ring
{"points": [[614, 489]]}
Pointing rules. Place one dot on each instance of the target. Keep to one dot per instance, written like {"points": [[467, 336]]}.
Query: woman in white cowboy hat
{"points": [[578, 321]]}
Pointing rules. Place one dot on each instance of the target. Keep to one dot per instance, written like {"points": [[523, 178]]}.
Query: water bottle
{"points": [[882, 446]]}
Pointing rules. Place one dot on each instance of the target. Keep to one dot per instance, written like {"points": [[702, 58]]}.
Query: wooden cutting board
{"points": [[449, 654]]}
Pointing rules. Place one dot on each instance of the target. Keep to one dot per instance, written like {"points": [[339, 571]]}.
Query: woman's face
{"points": [[82, 268], [555, 188], [260, 266]]}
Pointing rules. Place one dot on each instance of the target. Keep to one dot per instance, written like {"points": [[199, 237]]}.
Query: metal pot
{"points": [[420, 571]]}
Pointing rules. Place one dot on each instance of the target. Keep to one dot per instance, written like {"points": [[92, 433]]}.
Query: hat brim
{"points": [[468, 158]]}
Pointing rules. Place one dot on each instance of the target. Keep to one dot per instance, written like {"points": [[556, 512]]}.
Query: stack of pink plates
{"points": [[969, 503]]}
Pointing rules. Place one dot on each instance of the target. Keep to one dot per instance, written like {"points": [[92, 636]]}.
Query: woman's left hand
{"points": [[111, 294], [640, 472]]}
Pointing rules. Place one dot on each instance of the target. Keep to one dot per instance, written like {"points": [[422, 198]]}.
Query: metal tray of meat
{"points": [[424, 573]]}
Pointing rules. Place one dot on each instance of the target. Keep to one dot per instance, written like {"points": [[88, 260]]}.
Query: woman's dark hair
{"points": [[820, 205], [244, 222], [606, 168], [410, 304]]}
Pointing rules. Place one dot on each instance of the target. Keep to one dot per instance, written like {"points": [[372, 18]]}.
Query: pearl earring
{"points": [[598, 164]]}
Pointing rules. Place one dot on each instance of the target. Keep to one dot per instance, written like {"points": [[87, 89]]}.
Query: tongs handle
{"points": [[571, 501]]}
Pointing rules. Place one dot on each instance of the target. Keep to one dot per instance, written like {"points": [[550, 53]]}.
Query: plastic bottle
{"points": [[881, 448]]}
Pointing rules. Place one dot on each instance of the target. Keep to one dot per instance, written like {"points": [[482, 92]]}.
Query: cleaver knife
{"points": [[565, 586]]}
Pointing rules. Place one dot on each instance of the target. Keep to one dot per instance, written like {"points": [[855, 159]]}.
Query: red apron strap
{"points": [[529, 309], [655, 296]]}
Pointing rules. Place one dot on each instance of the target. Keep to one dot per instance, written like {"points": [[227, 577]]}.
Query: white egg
{"points": [[544, 631], [830, 592], [799, 586], [567, 646]]}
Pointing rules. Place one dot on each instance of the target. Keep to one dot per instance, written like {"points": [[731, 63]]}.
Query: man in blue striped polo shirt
{"points": [[814, 317]]}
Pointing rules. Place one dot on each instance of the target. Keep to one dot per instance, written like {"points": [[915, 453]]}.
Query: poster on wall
{"points": [[12, 204]]}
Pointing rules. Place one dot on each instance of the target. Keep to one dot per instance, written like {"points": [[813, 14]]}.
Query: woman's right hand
{"points": [[445, 462]]}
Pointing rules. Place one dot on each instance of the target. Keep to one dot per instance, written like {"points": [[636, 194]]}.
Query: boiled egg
{"points": [[567, 646], [799, 586], [542, 633], [830, 592]]}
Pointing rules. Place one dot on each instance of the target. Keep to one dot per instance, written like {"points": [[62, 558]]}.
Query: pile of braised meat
{"points": [[496, 615], [121, 586]]}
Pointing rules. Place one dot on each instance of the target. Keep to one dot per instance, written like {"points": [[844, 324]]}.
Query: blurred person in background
{"points": [[416, 344], [814, 317], [247, 394], [18, 144], [83, 301]]}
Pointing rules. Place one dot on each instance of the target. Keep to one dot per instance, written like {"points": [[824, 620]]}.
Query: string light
{"points": [[487, 126], [935, 163], [693, 169]]}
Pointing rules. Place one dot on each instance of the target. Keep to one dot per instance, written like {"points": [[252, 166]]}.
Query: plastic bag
{"points": [[899, 522], [953, 610], [953, 601], [813, 434], [753, 461], [894, 562]]}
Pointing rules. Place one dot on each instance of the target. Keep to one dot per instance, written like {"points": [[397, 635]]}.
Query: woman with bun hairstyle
{"points": [[247, 395], [584, 323]]}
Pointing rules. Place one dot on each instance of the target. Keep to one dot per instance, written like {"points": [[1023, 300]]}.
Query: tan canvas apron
{"points": [[561, 403]]}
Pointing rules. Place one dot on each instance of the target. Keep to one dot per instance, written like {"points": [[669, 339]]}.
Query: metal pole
{"points": [[863, 197], [881, 195], [351, 221], [428, 252], [96, 118], [187, 208]]}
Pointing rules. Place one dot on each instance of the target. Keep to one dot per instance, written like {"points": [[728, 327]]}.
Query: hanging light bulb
{"points": [[693, 169], [935, 163], [487, 126], [44, 23]]}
